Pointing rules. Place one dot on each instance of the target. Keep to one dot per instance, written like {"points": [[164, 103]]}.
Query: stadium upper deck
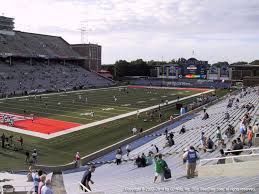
{"points": [[23, 44]]}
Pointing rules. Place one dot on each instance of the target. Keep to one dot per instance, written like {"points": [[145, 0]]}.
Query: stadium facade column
{"points": [[167, 71], [10, 60], [218, 75], [158, 73], [230, 72]]}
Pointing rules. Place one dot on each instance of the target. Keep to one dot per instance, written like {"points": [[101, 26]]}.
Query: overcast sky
{"points": [[217, 30]]}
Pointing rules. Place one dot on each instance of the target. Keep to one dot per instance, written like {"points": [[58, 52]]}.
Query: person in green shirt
{"points": [[160, 166]]}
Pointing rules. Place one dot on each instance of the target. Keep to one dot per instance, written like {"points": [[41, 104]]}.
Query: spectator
{"points": [[222, 154], [242, 132], [36, 180], [134, 130], [203, 141], [29, 175], [21, 142], [227, 116], [34, 156], [41, 183], [218, 136], [210, 145], [27, 155], [191, 157], [183, 130], [160, 166], [118, 156], [235, 146], [166, 133], [250, 136], [206, 116], [87, 178], [182, 110], [149, 159], [128, 149], [138, 161], [143, 160], [3, 140], [153, 149], [230, 131], [77, 160], [46, 189]]}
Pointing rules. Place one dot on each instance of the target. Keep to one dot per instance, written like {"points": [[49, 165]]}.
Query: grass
{"points": [[62, 149]]}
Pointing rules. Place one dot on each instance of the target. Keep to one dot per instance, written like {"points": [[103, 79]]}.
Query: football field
{"points": [[62, 111]]}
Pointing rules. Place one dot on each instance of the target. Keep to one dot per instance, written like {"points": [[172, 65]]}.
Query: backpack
{"points": [[157, 150], [192, 157]]}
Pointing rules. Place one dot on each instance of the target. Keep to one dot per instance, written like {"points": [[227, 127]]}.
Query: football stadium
{"points": [[71, 125]]}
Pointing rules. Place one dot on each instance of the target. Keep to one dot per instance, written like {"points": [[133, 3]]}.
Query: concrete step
{"points": [[58, 184]]}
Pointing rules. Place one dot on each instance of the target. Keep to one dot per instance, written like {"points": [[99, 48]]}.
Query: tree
{"points": [[133, 68], [239, 63], [255, 62], [121, 68], [219, 64]]}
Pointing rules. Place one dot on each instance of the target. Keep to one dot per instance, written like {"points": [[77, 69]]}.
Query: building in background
{"points": [[190, 68], [6, 25], [92, 54], [219, 71]]}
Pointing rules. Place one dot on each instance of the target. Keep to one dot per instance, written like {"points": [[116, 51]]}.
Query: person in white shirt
{"points": [[128, 149], [46, 188], [134, 130]]}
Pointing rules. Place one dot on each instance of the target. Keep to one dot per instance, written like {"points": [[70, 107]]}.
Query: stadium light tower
{"points": [[83, 31]]}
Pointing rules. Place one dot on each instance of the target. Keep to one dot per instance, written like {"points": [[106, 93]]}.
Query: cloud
{"points": [[147, 29]]}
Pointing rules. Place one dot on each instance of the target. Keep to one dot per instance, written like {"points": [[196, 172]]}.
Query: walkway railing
{"points": [[83, 188], [233, 158]]}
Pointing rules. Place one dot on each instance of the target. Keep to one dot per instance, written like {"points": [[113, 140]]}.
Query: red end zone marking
{"points": [[44, 125]]}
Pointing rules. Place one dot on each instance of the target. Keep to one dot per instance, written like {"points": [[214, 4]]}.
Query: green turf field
{"points": [[62, 149], [69, 107]]}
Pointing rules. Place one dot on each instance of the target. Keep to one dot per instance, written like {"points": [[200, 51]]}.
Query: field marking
{"points": [[125, 105], [140, 102], [96, 123], [58, 93]]}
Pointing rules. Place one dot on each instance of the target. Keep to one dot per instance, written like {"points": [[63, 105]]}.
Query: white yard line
{"points": [[59, 93], [71, 130]]}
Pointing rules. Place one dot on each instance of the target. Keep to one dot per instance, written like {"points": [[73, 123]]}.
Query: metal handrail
{"points": [[228, 157], [249, 149], [84, 187]]}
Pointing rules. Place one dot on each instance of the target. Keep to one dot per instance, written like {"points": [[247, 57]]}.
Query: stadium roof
{"points": [[24, 44]]}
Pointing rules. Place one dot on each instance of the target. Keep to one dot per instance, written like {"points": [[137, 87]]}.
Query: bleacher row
{"points": [[112, 178], [41, 77]]}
